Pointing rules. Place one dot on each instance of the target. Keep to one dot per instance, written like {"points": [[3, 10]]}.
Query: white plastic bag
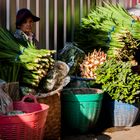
{"points": [[6, 103], [57, 77]]}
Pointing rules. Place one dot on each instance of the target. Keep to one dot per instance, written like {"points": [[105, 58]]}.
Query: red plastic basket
{"points": [[27, 126]]}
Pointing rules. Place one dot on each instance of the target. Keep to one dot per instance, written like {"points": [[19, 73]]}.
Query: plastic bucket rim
{"points": [[44, 108], [98, 91]]}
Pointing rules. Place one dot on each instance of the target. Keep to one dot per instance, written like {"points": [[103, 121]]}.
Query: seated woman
{"points": [[24, 24]]}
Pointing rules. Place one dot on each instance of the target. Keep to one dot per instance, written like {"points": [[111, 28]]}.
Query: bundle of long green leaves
{"points": [[119, 81], [34, 64], [104, 27]]}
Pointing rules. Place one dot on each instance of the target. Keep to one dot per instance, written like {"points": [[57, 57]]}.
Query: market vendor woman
{"points": [[24, 24]]}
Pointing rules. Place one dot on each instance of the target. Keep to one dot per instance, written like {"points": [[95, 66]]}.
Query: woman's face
{"points": [[27, 25]]}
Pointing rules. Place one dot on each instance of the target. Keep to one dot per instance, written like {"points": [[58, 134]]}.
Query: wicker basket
{"points": [[53, 123]]}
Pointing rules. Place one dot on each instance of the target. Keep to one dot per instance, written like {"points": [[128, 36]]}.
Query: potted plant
{"points": [[123, 86]]}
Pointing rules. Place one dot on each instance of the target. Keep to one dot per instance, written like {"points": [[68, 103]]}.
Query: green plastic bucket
{"points": [[81, 108]]}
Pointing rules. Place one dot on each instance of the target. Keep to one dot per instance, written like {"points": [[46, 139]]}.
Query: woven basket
{"points": [[53, 123], [123, 114]]}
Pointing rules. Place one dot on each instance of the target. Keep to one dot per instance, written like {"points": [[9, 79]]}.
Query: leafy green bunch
{"points": [[119, 81], [23, 63], [123, 46], [105, 27]]}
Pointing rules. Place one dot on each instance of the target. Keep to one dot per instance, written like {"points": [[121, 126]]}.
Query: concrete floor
{"points": [[127, 133]]}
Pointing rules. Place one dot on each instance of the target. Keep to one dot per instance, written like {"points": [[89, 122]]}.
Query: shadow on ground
{"points": [[87, 137]]}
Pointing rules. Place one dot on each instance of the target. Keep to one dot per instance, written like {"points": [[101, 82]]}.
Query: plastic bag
{"points": [[73, 56], [12, 89], [6, 103], [26, 90], [57, 77]]}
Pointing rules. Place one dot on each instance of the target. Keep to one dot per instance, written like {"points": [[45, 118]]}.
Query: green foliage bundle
{"points": [[106, 28], [33, 64], [119, 81]]}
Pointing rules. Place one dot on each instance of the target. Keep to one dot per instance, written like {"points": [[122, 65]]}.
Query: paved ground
{"points": [[132, 133], [129, 133]]}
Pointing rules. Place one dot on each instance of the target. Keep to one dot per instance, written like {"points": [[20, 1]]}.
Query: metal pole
{"points": [[47, 24], [28, 4], [64, 21], [8, 14], [55, 24], [37, 23]]}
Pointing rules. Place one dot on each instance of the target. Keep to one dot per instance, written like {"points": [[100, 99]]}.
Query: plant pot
{"points": [[123, 114], [81, 108]]}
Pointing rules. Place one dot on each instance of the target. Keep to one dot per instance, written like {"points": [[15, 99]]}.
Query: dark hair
{"points": [[23, 14]]}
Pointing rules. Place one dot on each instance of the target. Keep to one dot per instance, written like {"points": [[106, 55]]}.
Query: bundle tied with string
{"points": [[109, 35], [19, 53], [34, 64], [109, 28]]}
